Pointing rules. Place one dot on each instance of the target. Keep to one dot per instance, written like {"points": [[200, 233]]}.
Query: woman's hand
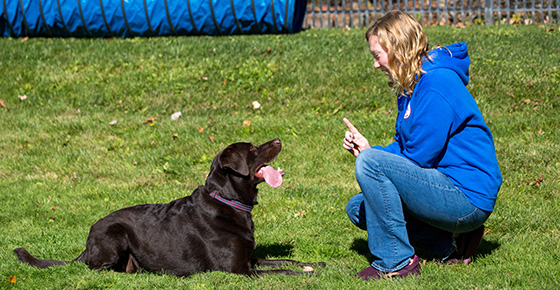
{"points": [[353, 140]]}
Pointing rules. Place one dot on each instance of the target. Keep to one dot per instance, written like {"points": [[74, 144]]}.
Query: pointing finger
{"points": [[350, 126]]}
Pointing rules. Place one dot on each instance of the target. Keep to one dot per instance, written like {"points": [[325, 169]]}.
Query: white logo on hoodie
{"points": [[407, 112]]}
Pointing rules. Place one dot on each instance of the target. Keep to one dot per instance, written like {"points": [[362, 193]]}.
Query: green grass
{"points": [[64, 166]]}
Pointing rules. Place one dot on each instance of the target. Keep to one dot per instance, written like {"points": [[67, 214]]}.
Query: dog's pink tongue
{"points": [[271, 176]]}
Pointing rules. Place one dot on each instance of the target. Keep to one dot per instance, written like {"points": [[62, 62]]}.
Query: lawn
{"points": [[87, 129]]}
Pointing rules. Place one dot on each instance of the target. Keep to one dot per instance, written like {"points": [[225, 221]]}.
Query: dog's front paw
{"points": [[308, 269]]}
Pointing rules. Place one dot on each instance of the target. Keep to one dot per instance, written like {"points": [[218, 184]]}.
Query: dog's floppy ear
{"points": [[235, 161]]}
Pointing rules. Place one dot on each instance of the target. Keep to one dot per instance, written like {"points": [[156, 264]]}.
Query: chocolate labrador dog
{"points": [[210, 230]]}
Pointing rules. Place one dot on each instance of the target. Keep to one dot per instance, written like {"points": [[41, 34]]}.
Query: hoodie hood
{"points": [[454, 57]]}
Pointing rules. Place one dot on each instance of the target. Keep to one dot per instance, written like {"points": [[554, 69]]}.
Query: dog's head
{"points": [[236, 170]]}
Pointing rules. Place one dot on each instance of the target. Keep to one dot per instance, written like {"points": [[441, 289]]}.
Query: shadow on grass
{"points": [[272, 250], [485, 248], [360, 246]]}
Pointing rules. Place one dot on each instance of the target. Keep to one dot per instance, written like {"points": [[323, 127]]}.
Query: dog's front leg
{"points": [[280, 263], [307, 267], [255, 273]]}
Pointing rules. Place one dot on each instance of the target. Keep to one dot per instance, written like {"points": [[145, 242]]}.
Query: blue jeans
{"points": [[403, 206]]}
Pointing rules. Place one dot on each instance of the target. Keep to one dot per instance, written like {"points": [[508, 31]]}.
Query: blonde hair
{"points": [[406, 44]]}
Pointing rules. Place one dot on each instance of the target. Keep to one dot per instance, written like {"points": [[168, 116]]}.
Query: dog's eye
{"points": [[253, 148]]}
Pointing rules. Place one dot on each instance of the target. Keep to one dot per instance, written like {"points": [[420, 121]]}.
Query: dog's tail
{"points": [[25, 257]]}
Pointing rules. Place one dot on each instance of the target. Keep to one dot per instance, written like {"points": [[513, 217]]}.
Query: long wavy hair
{"points": [[406, 44]]}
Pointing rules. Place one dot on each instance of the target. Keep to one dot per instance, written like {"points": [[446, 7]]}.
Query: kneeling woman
{"points": [[436, 185]]}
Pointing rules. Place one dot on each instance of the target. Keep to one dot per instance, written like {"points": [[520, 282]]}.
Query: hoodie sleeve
{"points": [[391, 148], [395, 147], [422, 134], [425, 133]]}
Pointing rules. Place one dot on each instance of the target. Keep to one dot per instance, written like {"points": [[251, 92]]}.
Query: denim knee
{"points": [[366, 161], [356, 211]]}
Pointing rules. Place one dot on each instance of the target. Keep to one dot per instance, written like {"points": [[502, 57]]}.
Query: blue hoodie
{"points": [[441, 127]]}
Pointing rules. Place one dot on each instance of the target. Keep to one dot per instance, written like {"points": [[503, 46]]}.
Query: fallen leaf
{"points": [[256, 105], [211, 138], [175, 116], [53, 207], [112, 122], [200, 130], [25, 39], [2, 104], [149, 120], [175, 136], [23, 98], [12, 279], [537, 181], [550, 29], [246, 123]]}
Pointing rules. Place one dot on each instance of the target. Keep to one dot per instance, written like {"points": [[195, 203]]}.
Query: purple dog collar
{"points": [[235, 204]]}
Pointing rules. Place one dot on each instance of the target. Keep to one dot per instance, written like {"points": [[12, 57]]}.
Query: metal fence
{"points": [[361, 13]]}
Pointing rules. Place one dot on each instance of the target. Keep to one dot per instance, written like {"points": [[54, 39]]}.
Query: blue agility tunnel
{"points": [[147, 18]]}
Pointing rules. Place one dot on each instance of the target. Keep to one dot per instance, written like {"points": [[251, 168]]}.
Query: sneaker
{"points": [[413, 268], [467, 243]]}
